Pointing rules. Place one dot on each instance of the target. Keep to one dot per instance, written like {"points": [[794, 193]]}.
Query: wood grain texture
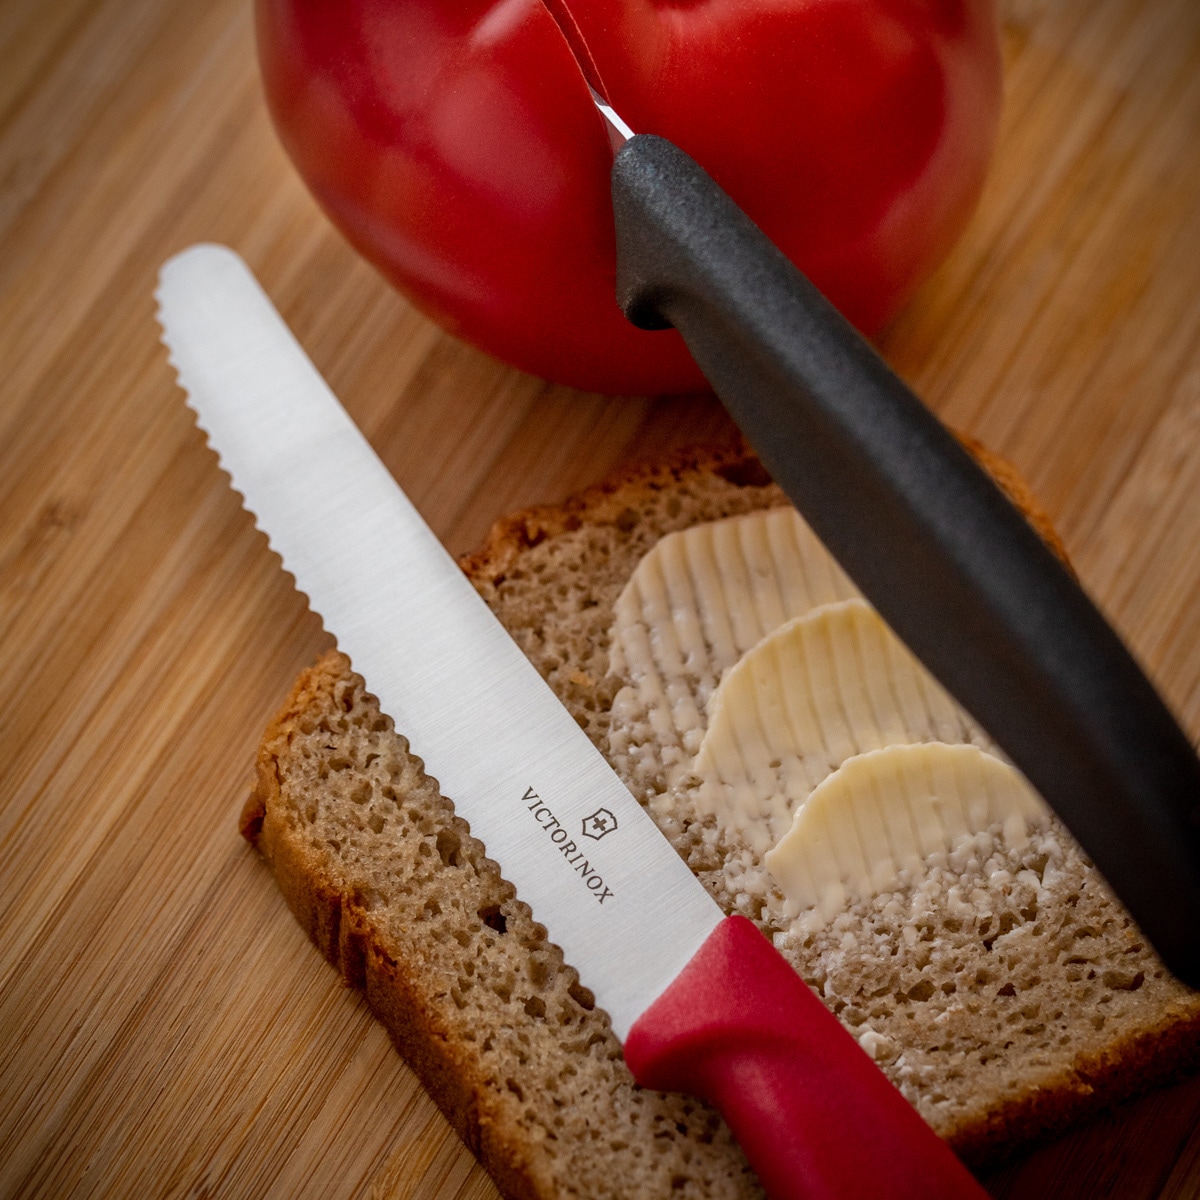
{"points": [[165, 1029]]}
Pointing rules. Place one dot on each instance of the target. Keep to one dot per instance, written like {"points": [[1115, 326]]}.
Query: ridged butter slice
{"points": [[813, 693], [887, 811], [702, 597]]}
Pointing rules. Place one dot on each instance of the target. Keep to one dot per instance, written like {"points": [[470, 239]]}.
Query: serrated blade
{"points": [[593, 867]]}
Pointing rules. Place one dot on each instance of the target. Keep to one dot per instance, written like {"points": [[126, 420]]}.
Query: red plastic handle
{"points": [[816, 1118]]}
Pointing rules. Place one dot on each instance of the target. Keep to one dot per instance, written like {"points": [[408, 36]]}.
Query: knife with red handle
{"points": [[815, 1117], [701, 1001]]}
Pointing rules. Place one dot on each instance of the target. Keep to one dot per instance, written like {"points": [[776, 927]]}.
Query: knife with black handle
{"points": [[947, 560]]}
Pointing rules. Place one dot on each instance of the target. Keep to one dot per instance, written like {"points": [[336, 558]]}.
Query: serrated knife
{"points": [[702, 1002]]}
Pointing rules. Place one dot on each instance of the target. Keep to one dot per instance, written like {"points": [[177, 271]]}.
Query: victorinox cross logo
{"points": [[600, 823], [596, 826]]}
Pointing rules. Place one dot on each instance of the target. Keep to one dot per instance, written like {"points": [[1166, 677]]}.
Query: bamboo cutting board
{"points": [[165, 1029]]}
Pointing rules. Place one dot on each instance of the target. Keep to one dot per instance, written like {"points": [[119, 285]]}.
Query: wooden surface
{"points": [[165, 1029]]}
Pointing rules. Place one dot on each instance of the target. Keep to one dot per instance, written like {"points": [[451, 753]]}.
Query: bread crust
{"points": [[605, 503], [392, 976], [1095, 1084]]}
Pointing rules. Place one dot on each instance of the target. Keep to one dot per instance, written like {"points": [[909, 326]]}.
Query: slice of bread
{"points": [[1002, 1017]]}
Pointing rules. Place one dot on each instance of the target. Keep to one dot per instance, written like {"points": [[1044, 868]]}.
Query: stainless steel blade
{"points": [[618, 132], [593, 867]]}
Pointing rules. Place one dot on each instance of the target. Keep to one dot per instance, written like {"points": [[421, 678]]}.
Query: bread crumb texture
{"points": [[1004, 992]]}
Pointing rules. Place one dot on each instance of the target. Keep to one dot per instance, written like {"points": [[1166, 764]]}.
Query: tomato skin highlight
{"points": [[455, 144]]}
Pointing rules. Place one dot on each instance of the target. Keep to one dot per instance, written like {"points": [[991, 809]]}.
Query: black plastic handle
{"points": [[951, 565]]}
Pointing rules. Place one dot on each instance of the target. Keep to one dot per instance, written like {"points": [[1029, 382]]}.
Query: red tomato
{"points": [[455, 144]]}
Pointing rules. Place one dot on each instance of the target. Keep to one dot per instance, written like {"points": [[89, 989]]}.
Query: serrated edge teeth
{"points": [[181, 381]]}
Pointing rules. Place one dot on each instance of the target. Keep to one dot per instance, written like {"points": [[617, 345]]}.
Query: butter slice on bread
{"points": [[1003, 1016]]}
